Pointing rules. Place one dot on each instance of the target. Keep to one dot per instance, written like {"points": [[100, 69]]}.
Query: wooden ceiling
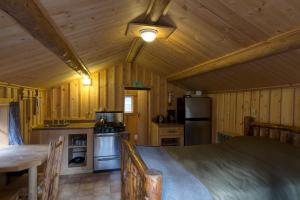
{"points": [[206, 29], [277, 70]]}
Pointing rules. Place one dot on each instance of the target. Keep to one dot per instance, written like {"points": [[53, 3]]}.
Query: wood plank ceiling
{"points": [[94, 28], [206, 29]]}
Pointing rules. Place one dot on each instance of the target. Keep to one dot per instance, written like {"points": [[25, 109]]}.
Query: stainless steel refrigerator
{"points": [[197, 120]]}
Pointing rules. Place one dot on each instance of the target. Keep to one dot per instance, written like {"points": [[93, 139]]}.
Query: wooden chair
{"points": [[49, 181], [52, 173]]}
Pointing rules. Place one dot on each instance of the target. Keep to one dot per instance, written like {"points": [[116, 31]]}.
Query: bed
{"points": [[263, 167]]}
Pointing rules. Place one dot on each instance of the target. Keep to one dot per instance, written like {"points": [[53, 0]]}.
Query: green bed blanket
{"points": [[244, 168]]}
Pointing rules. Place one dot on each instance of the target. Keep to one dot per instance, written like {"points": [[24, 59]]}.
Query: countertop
{"points": [[166, 125], [71, 126]]}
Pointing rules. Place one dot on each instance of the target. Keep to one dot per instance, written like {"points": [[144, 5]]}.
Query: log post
{"points": [[153, 184], [248, 129]]}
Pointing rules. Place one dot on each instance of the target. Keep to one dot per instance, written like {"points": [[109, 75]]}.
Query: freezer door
{"points": [[197, 107], [197, 132]]}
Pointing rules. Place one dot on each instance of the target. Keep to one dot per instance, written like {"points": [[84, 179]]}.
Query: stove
{"points": [[109, 128], [108, 132]]}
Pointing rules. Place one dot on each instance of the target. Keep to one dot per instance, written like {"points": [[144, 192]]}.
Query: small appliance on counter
{"points": [[108, 132]]}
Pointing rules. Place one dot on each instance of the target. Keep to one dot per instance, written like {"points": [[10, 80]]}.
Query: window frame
{"points": [[132, 104]]}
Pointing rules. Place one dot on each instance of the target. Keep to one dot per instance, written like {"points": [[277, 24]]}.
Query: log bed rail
{"points": [[138, 182], [284, 133]]}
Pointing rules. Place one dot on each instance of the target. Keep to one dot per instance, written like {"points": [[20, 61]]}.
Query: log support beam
{"points": [[32, 16], [275, 45]]}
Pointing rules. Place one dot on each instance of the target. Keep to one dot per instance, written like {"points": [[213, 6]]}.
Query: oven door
{"points": [[106, 145]]}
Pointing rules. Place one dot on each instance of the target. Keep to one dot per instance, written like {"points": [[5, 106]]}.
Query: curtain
{"points": [[14, 130]]}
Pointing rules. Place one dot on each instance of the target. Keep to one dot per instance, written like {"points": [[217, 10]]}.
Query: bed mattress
{"points": [[253, 168]]}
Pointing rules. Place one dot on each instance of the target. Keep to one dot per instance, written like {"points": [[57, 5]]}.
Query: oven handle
{"points": [[106, 134], [107, 159]]}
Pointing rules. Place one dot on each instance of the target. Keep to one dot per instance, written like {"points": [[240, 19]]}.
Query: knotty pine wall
{"points": [[72, 100], [275, 105], [27, 117]]}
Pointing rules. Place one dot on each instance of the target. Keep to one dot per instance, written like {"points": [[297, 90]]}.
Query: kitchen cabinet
{"points": [[78, 143], [167, 134]]}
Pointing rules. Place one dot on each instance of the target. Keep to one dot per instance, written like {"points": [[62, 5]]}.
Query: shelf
{"points": [[74, 146], [71, 165]]}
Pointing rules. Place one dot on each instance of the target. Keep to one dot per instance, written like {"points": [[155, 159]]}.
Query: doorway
{"points": [[137, 115]]}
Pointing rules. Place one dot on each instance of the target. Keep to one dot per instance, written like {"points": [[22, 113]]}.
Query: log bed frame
{"points": [[141, 183]]}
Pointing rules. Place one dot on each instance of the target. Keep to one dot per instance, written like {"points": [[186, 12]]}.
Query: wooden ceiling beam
{"points": [[275, 45], [33, 17], [156, 10]]}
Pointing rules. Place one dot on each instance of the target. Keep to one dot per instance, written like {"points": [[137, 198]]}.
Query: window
{"points": [[128, 104]]}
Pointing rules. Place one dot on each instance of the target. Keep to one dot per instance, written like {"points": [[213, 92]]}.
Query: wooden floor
{"points": [[98, 186]]}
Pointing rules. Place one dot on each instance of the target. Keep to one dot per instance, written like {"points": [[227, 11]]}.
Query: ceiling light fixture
{"points": [[148, 35], [86, 80]]}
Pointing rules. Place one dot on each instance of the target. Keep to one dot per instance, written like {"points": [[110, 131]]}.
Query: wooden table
{"points": [[16, 158]]}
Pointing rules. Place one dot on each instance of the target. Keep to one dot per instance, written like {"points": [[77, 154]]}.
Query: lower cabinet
{"points": [[78, 148], [167, 135]]}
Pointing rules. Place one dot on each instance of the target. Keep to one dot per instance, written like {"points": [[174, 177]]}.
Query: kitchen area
{"points": [[94, 145], [90, 146]]}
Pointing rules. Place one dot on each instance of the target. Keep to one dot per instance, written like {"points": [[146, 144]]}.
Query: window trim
{"points": [[132, 104]]}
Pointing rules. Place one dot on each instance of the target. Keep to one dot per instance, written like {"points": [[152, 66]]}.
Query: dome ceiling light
{"points": [[148, 35]]}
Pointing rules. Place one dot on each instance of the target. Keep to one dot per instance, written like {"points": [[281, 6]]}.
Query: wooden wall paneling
{"points": [[214, 116], [287, 106], [153, 94], [247, 104], [94, 95], [287, 109], [255, 104], [2, 92], [157, 95], [163, 96], [65, 100], [140, 73], [41, 108], [220, 112], [84, 101], [275, 110], [8, 92], [134, 72], [56, 102], [297, 107], [111, 88], [146, 73], [127, 74], [74, 99], [264, 109], [119, 87], [232, 112], [227, 112], [25, 116], [240, 112], [103, 89], [15, 94]]}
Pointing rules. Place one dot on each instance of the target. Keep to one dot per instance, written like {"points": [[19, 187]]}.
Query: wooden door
{"points": [[143, 118], [131, 118]]}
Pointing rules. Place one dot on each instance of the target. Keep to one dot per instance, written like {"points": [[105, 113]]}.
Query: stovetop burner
{"points": [[109, 128]]}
